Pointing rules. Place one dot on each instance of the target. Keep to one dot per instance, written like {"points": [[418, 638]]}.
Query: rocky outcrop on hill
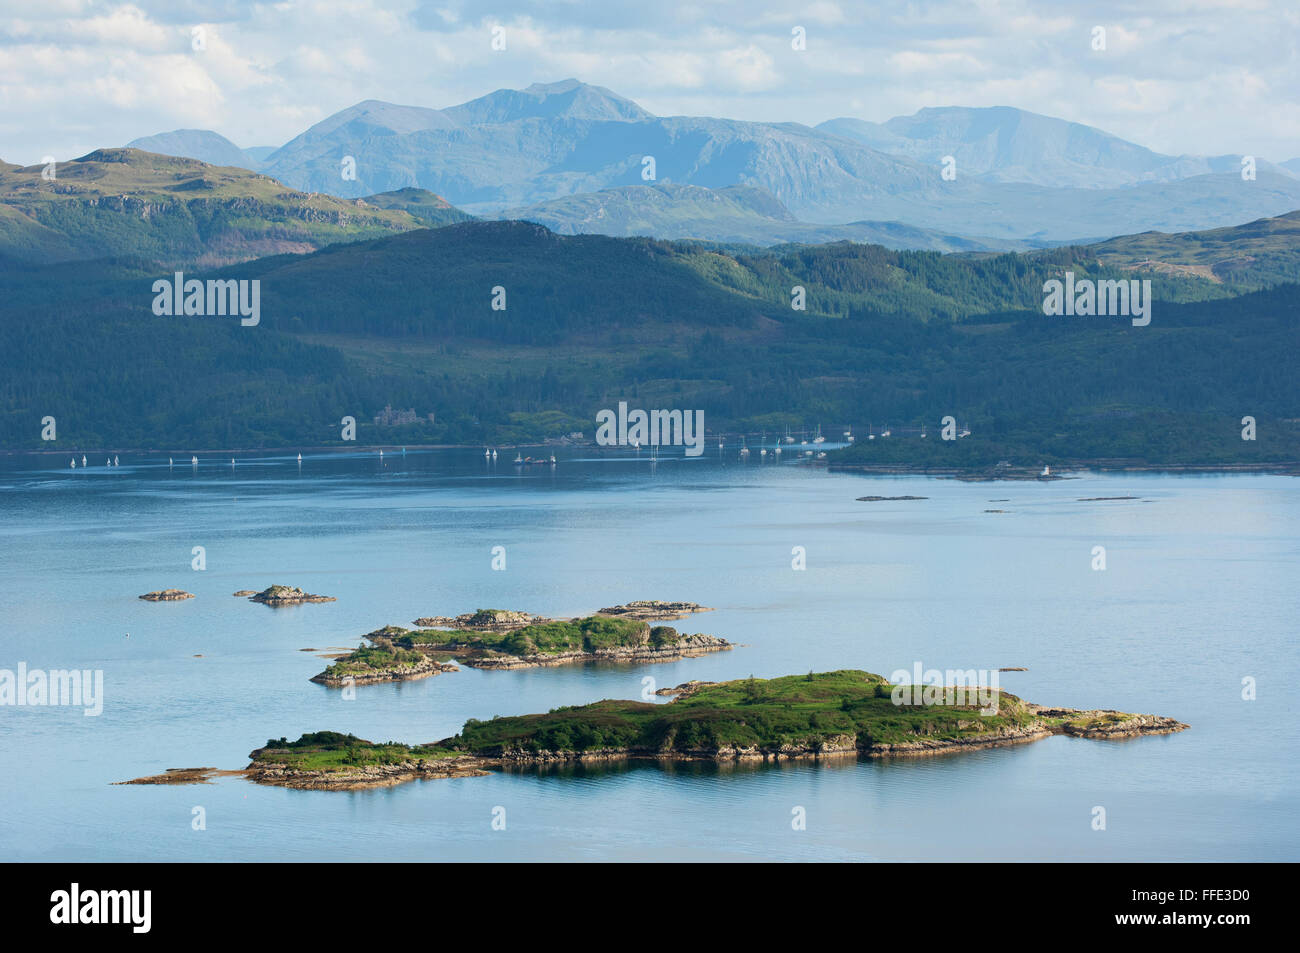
{"points": [[685, 689]]}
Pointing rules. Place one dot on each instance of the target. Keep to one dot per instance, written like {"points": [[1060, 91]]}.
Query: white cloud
{"points": [[1178, 76]]}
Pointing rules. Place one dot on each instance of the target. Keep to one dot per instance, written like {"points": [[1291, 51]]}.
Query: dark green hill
{"points": [[1255, 255], [887, 337], [433, 210]]}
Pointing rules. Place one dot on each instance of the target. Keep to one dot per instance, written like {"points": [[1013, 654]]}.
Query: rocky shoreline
{"points": [[361, 778], [689, 646], [994, 474]]}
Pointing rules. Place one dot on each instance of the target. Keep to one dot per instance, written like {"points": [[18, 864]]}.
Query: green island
{"points": [[383, 662], [815, 716], [396, 653]]}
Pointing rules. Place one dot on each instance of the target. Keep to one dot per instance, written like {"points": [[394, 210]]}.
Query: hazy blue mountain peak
{"points": [[566, 99], [202, 144]]}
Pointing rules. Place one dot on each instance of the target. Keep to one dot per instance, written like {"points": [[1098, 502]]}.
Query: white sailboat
{"points": [[494, 454], [83, 459], [116, 461], [300, 458], [74, 463]]}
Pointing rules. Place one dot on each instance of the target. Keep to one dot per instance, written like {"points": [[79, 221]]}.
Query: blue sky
{"points": [[1178, 76]]}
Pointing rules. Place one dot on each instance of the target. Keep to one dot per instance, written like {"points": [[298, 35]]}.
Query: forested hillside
{"points": [[901, 337]]}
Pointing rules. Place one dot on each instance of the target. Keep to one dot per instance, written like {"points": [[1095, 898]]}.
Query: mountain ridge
{"points": [[1021, 178]]}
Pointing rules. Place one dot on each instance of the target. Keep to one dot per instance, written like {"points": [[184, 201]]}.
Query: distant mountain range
{"points": [[1003, 144], [133, 205], [557, 150], [734, 214]]}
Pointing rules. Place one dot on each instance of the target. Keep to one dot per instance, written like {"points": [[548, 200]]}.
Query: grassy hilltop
{"points": [[128, 203]]}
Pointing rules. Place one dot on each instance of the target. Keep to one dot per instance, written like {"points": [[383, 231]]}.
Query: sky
{"points": [[1204, 77]]}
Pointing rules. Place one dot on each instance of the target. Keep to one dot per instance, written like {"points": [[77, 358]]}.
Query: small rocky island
{"points": [[394, 650], [482, 620], [382, 662], [844, 714], [652, 610], [287, 596], [506, 620], [167, 595]]}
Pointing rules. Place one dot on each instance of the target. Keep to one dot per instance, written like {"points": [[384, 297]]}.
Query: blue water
{"points": [[1199, 592]]}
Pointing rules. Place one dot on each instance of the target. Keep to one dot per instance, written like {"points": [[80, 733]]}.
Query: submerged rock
{"points": [[179, 776]]}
